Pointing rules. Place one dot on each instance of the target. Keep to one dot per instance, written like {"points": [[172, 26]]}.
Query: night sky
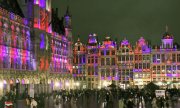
{"points": [[123, 18]]}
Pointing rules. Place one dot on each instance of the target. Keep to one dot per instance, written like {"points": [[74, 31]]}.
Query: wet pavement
{"points": [[88, 102]]}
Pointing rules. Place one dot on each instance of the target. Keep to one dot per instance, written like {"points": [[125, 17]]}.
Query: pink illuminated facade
{"points": [[92, 61], [166, 63], [16, 53], [142, 61], [79, 64], [35, 46], [125, 63], [108, 71], [128, 66]]}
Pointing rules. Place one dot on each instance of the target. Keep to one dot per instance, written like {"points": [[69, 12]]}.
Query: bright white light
{"points": [[77, 84], [105, 83], [159, 83], [56, 84], [5, 82], [1, 84], [67, 83]]}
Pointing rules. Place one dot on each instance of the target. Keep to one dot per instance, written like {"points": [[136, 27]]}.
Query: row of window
{"points": [[93, 59], [157, 58], [108, 52], [125, 58], [16, 43], [167, 67], [107, 61], [79, 59], [142, 65], [16, 65]]}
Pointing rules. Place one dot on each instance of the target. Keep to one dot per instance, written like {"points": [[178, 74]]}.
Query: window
{"points": [[154, 68], [107, 72], [154, 58], [78, 48], [158, 58], [173, 57], [80, 59], [113, 52], [123, 57], [144, 57], [107, 61], [96, 59], [162, 58], [127, 50], [168, 67], [136, 66], [163, 68], [102, 62], [131, 57], [140, 65], [96, 70], [113, 61], [127, 58], [102, 72], [107, 52], [89, 60], [119, 58], [123, 50], [84, 59], [174, 67], [92, 58], [89, 70], [102, 52], [178, 57], [136, 57], [158, 68], [144, 66], [178, 67], [113, 72], [140, 57]]}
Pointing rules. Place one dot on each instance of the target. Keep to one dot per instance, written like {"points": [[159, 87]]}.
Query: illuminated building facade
{"points": [[125, 63], [92, 61], [142, 62], [52, 39], [79, 64], [35, 47], [16, 53], [108, 71], [166, 63]]}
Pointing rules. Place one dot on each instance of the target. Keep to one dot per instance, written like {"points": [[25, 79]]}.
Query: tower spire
{"points": [[78, 40], [167, 28], [67, 11]]}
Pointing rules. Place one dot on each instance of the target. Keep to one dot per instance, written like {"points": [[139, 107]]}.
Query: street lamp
{"points": [[67, 85], [1, 84], [1, 88], [77, 84]]}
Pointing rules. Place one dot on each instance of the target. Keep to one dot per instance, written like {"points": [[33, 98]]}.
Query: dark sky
{"points": [[123, 18]]}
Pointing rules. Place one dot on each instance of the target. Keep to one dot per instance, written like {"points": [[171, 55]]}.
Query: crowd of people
{"points": [[128, 98]]}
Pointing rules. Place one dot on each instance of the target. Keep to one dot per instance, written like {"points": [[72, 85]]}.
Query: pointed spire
{"points": [[167, 28], [67, 11], [78, 40]]}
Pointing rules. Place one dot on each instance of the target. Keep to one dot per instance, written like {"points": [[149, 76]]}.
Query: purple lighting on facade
{"points": [[42, 3], [169, 75], [109, 78], [36, 1], [42, 42], [11, 16], [125, 42]]}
